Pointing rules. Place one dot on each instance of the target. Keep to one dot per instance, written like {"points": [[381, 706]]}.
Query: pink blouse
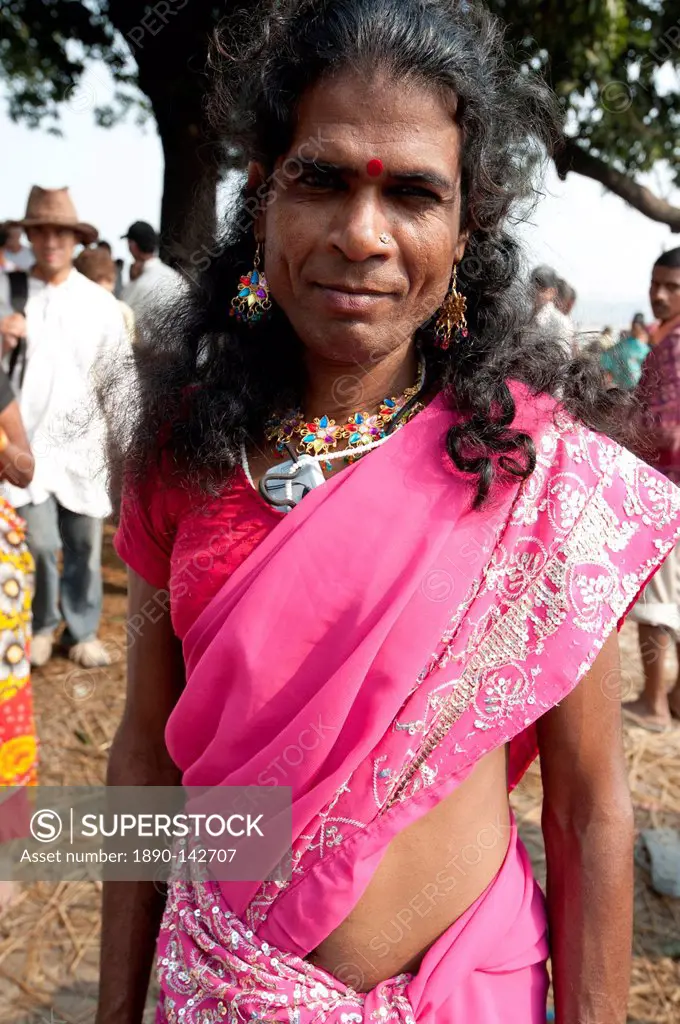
{"points": [[189, 542]]}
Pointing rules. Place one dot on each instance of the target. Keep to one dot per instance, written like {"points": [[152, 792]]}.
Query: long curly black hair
{"points": [[206, 383]]}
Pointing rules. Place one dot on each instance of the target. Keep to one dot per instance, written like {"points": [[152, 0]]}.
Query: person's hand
{"points": [[12, 328]]}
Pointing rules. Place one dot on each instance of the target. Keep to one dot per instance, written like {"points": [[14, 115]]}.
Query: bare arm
{"points": [[12, 329], [16, 458], [132, 910], [588, 830]]}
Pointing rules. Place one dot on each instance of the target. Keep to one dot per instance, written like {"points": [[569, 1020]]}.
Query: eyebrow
{"points": [[419, 176]]}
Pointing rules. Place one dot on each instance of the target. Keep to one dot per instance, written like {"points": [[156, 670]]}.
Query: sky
{"points": [[603, 247]]}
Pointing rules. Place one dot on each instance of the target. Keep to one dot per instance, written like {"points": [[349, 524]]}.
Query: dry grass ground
{"points": [[49, 940]]}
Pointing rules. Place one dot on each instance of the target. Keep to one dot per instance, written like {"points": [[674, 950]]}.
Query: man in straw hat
{"points": [[67, 325]]}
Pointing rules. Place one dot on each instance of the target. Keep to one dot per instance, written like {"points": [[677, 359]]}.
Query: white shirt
{"points": [[551, 323], [21, 260], [156, 284], [70, 327]]}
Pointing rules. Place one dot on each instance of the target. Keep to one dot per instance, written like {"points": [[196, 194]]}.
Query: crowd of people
{"points": [[638, 362], [620, 357], [59, 320], [425, 574]]}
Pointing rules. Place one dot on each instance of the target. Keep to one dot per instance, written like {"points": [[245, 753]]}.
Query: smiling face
{"points": [[358, 260]]}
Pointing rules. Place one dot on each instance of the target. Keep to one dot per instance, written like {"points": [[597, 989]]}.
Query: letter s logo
{"points": [[46, 826]]}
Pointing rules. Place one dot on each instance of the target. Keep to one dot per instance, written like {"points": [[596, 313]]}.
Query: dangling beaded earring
{"points": [[451, 320], [252, 301]]}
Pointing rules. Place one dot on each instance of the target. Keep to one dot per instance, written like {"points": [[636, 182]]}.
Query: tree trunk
{"points": [[170, 43], [190, 178]]}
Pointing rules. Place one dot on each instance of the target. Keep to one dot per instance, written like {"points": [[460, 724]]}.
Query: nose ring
{"points": [[385, 239]]}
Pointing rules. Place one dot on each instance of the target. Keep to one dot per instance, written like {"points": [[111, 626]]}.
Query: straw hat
{"points": [[54, 207]]}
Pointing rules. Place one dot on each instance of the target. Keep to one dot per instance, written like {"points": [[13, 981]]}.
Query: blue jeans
{"points": [[79, 600]]}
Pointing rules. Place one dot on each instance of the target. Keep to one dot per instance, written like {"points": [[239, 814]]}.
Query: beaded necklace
{"points": [[322, 435]]}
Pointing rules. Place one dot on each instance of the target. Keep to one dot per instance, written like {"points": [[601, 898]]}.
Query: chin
{"points": [[349, 341]]}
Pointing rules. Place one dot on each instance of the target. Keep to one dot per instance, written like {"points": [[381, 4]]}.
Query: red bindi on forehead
{"points": [[374, 168]]}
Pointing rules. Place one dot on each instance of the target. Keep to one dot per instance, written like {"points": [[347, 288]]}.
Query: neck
{"points": [[147, 256], [50, 276], [337, 390]]}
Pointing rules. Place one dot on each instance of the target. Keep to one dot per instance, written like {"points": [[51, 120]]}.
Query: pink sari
{"points": [[404, 636]]}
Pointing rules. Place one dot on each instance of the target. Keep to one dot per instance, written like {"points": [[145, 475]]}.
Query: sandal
{"points": [[643, 722]]}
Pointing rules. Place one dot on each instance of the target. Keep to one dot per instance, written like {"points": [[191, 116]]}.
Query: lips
{"points": [[351, 290], [350, 301]]}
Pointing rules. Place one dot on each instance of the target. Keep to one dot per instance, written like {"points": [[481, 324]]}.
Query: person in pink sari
{"points": [[374, 559]]}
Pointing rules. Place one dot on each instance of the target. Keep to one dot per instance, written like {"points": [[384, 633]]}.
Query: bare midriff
{"points": [[431, 873]]}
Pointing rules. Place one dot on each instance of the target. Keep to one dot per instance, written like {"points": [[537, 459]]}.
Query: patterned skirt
{"points": [[18, 741]]}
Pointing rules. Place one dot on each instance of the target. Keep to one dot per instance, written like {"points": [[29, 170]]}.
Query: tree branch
{"points": [[570, 157]]}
